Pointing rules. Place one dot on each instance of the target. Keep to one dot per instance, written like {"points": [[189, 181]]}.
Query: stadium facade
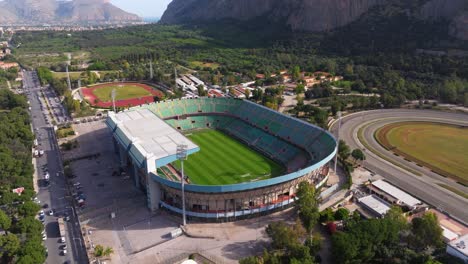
{"points": [[146, 139]]}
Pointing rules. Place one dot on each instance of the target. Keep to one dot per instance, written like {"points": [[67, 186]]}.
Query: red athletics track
{"points": [[89, 96]]}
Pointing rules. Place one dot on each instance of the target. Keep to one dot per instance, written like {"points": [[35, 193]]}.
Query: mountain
{"points": [[53, 11], [313, 15]]}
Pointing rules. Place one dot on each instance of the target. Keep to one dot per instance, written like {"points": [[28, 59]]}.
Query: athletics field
{"points": [[223, 160], [127, 94], [439, 147]]}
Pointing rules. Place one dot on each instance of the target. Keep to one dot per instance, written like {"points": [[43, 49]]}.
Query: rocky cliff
{"points": [[313, 15], [455, 11], [53, 11], [308, 15]]}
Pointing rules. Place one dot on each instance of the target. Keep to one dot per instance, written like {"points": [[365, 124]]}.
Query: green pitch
{"points": [[223, 160], [442, 148], [127, 91]]}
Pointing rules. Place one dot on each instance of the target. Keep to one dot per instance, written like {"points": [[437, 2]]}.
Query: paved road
{"points": [[424, 187], [53, 194]]}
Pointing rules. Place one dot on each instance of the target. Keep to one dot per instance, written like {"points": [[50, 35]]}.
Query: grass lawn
{"points": [[60, 75], [442, 148], [124, 92], [201, 64], [223, 160]]}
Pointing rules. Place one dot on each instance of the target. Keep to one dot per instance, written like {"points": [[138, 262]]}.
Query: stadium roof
{"points": [[152, 135], [375, 204], [396, 193]]}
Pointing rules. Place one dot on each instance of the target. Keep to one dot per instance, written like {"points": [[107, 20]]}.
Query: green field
{"points": [[124, 92], [442, 148], [224, 160]]}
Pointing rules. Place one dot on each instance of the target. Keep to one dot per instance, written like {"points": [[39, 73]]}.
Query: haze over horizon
{"points": [[143, 8]]}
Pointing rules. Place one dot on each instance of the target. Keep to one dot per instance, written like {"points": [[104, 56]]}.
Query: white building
{"points": [[458, 248], [394, 195], [375, 205], [190, 82]]}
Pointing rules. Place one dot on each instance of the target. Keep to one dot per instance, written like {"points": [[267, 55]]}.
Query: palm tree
{"points": [[107, 252], [98, 250]]}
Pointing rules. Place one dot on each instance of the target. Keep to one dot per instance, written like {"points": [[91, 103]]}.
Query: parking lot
{"points": [[114, 213], [107, 192]]}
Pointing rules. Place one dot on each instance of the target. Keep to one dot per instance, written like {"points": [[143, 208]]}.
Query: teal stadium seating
{"points": [[279, 136]]}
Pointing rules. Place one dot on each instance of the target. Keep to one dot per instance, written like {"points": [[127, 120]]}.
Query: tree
{"points": [[98, 251], [284, 236], [29, 225], [9, 244], [307, 205], [357, 154], [29, 208], [296, 73], [343, 150], [426, 232], [327, 215], [107, 252], [32, 251], [201, 90], [5, 221], [247, 93], [341, 214], [300, 88], [250, 260]]}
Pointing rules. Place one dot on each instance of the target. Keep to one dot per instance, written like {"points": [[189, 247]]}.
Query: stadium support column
{"points": [[123, 156], [136, 176], [153, 189]]}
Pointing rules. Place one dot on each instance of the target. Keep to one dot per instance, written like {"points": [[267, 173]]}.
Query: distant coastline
{"points": [[151, 19]]}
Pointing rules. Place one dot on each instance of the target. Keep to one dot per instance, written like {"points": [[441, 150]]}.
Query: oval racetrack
{"points": [[418, 181]]}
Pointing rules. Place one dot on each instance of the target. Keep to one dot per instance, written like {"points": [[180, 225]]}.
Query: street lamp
{"points": [[113, 94], [338, 139], [182, 155]]}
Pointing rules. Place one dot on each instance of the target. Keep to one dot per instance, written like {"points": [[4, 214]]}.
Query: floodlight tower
{"points": [[175, 78], [113, 94], [182, 155], [151, 70], [338, 138]]}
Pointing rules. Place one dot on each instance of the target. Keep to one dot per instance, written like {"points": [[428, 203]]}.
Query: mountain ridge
{"points": [[314, 15], [53, 11]]}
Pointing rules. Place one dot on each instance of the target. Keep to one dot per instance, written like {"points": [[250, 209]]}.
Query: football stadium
{"points": [[243, 159]]}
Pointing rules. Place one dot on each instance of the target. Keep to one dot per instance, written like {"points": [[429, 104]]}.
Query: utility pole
{"points": [[338, 139], [68, 79], [182, 155]]}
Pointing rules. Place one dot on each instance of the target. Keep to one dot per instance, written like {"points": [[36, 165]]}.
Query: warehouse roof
{"points": [[396, 193]]}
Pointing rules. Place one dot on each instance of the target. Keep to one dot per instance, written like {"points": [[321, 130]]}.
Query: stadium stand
{"points": [[277, 136]]}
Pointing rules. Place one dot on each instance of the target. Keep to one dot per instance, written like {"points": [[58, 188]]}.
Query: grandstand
{"points": [[301, 148]]}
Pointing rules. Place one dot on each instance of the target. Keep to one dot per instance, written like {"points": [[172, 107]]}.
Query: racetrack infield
{"points": [[440, 147], [223, 160]]}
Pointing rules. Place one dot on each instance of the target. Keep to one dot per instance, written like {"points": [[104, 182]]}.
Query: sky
{"points": [[143, 8]]}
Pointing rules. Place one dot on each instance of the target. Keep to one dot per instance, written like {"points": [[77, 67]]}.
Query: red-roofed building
{"points": [[215, 93], [8, 65]]}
